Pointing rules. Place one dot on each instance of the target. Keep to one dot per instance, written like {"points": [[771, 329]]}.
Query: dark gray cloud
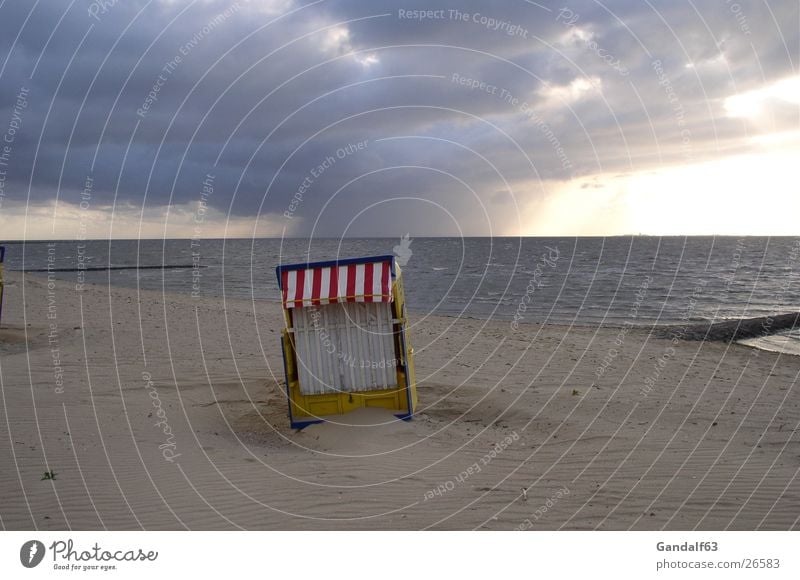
{"points": [[263, 95]]}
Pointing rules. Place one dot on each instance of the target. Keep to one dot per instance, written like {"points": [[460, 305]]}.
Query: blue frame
{"points": [[2, 258], [406, 416]]}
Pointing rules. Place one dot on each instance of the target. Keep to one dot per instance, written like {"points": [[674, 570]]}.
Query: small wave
{"points": [[787, 342]]}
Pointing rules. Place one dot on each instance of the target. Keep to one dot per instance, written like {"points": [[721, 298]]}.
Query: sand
{"points": [[160, 411]]}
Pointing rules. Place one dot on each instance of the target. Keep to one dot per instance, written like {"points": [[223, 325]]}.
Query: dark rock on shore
{"points": [[730, 330]]}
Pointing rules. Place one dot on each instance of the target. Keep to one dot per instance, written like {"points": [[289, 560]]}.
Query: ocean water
{"points": [[613, 281]]}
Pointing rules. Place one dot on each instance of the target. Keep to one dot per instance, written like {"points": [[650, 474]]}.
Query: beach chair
{"points": [[345, 341]]}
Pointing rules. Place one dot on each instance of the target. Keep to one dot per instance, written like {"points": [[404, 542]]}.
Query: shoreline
{"points": [[743, 331]]}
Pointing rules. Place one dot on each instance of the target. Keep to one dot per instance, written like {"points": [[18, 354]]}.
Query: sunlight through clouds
{"points": [[759, 103]]}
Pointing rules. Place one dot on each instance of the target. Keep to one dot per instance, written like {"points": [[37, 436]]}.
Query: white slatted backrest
{"points": [[345, 347]]}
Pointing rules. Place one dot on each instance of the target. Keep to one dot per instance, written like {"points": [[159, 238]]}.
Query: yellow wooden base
{"points": [[317, 406]]}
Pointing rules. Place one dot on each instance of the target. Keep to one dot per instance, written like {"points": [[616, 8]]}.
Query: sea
{"points": [[613, 281]]}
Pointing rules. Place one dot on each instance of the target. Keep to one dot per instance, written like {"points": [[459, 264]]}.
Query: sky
{"points": [[180, 119]]}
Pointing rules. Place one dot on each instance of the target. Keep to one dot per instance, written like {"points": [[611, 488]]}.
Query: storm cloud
{"points": [[372, 118]]}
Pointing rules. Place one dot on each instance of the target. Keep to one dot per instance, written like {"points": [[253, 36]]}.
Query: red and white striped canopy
{"points": [[315, 286]]}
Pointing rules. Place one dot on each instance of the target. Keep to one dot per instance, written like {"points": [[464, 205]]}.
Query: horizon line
{"points": [[43, 240]]}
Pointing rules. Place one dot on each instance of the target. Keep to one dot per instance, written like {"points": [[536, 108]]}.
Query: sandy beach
{"points": [[163, 411]]}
